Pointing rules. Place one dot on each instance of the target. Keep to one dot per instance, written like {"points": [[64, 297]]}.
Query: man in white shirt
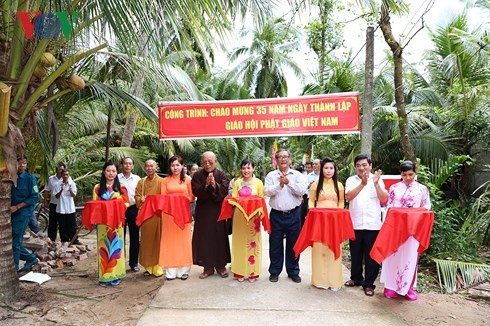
{"points": [[130, 180], [314, 175], [54, 219], [285, 187], [65, 191], [365, 192]]}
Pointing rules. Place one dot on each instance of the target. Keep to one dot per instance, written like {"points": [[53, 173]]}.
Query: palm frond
{"points": [[456, 275]]}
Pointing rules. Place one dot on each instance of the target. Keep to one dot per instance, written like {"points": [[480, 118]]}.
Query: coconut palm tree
{"points": [[37, 68], [459, 72], [262, 68]]}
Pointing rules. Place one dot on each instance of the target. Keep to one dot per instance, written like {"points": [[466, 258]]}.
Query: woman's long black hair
{"points": [[103, 182], [181, 161], [319, 188]]}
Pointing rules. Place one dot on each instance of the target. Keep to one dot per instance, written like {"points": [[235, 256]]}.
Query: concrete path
{"points": [[217, 301]]}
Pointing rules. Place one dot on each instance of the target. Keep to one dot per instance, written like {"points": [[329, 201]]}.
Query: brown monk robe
{"points": [[151, 229], [210, 245]]}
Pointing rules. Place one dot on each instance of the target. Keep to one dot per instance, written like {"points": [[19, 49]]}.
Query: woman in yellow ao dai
{"points": [[326, 271], [246, 248]]}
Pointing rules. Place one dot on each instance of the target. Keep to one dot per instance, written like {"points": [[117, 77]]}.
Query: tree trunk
{"points": [[9, 282], [397, 50], [130, 126], [367, 109], [108, 132]]}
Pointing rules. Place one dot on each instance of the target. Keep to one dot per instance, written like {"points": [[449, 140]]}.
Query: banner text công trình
{"points": [[305, 115]]}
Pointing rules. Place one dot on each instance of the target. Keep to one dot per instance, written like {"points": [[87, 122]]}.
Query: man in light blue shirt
{"points": [[285, 187], [314, 175]]}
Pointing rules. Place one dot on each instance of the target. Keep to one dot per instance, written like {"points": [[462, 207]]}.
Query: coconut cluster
{"points": [[47, 60], [74, 82]]}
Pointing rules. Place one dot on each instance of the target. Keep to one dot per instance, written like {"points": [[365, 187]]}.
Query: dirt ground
{"points": [[72, 297]]}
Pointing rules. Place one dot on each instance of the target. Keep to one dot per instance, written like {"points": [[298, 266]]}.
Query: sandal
{"points": [[369, 292], [351, 283], [146, 273], [222, 272], [204, 275], [184, 277]]}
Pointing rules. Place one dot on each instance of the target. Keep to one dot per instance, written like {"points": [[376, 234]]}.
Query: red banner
{"points": [[306, 115]]}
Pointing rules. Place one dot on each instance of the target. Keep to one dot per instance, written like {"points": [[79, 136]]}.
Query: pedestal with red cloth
{"points": [[108, 212], [176, 205], [400, 224], [249, 206], [330, 226], [405, 234]]}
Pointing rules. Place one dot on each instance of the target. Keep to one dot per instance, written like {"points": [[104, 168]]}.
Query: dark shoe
{"points": [[274, 278], [135, 269], [369, 292], [222, 272], [28, 266], [295, 278], [206, 273], [351, 283]]}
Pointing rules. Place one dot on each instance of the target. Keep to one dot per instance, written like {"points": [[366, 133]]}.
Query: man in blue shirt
{"points": [[24, 197]]}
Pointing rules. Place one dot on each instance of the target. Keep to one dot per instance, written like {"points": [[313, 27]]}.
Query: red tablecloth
{"points": [[108, 212], [400, 224], [249, 206], [330, 226], [176, 205]]}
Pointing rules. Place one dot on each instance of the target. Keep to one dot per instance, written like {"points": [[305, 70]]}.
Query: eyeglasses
{"points": [[282, 157], [208, 162]]}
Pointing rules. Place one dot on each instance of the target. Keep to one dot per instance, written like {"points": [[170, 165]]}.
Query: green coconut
{"points": [[47, 59], [39, 72], [76, 82]]}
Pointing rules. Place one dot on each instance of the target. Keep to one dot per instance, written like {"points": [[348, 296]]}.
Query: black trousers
{"points": [[304, 209], [359, 250], [284, 224], [68, 226], [54, 221], [134, 235]]}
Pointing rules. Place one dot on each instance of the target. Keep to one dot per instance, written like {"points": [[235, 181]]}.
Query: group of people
{"points": [[61, 191], [59, 194], [161, 246], [365, 192]]}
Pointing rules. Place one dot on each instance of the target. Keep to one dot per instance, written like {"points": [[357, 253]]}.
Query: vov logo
{"points": [[47, 25]]}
